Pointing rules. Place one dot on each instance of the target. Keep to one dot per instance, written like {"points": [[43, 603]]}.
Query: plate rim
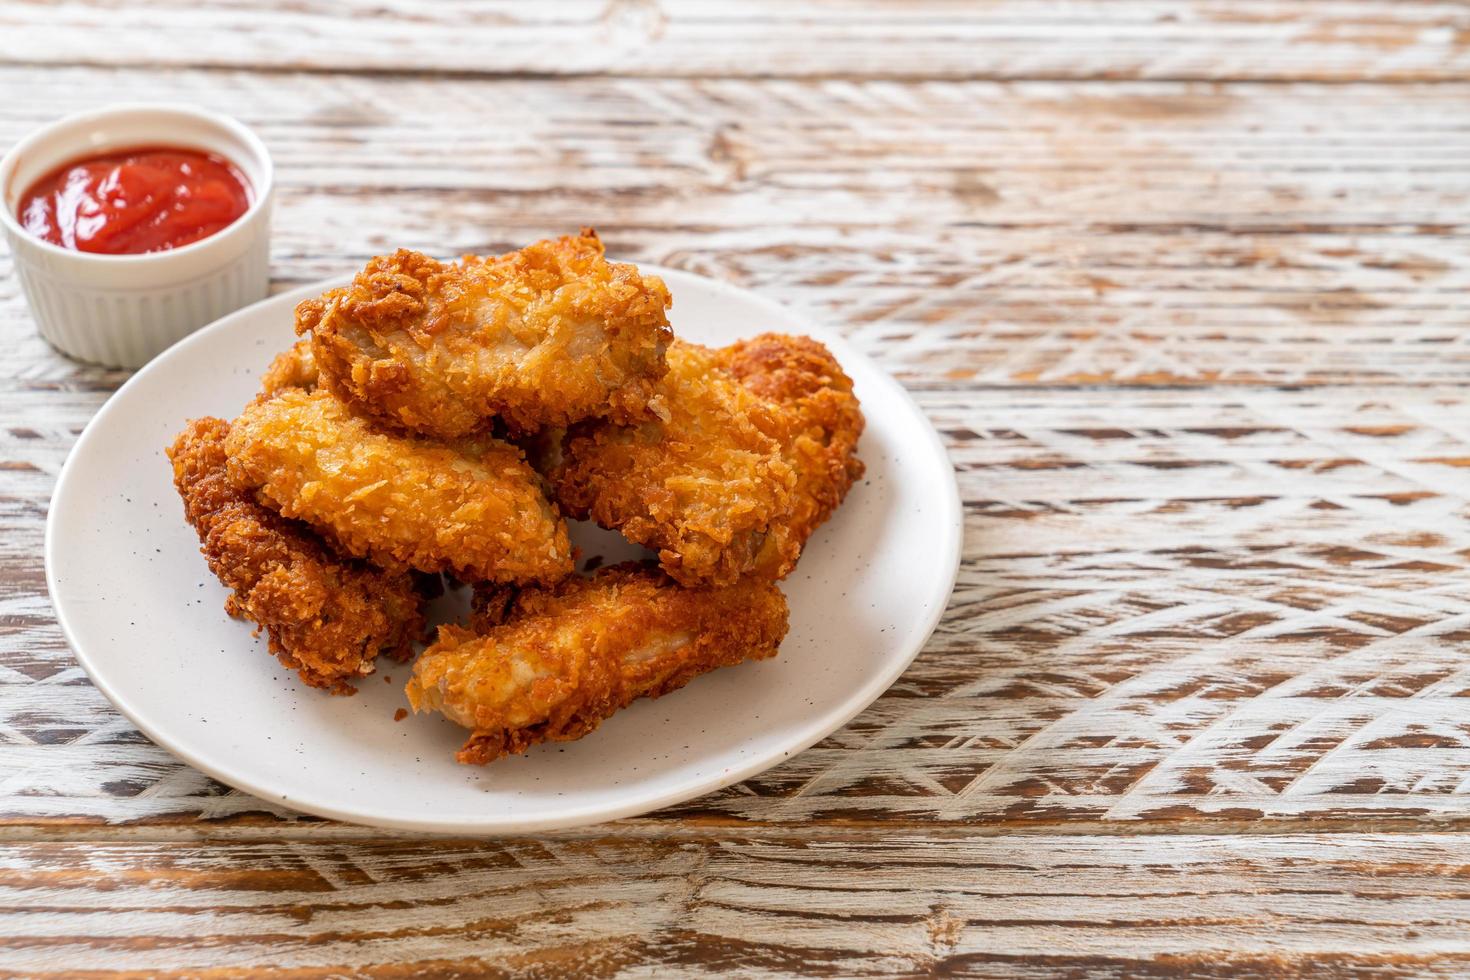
{"points": [[853, 704]]}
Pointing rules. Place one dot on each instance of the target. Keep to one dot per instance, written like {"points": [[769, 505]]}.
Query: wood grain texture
{"points": [[1182, 285], [1171, 605], [1270, 39], [1046, 233], [844, 903], [1239, 605]]}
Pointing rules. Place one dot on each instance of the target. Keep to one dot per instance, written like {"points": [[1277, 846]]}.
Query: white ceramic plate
{"points": [[147, 622]]}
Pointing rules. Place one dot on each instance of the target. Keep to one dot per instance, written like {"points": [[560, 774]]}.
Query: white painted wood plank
{"points": [[1040, 233], [1235, 605], [1155, 580], [853, 903], [1210, 39]]}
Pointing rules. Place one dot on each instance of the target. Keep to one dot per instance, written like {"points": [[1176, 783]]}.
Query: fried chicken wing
{"points": [[472, 506], [294, 367], [746, 450], [325, 617], [567, 658], [547, 335], [801, 375]]}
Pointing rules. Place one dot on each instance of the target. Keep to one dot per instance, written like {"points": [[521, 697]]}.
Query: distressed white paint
{"points": [[1111, 651], [1392, 39], [854, 903], [1110, 530], [1198, 350]]}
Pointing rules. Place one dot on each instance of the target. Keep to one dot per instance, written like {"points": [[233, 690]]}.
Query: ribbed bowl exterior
{"points": [[126, 328], [122, 310]]}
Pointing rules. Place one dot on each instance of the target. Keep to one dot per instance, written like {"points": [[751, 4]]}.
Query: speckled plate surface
{"points": [[146, 620]]}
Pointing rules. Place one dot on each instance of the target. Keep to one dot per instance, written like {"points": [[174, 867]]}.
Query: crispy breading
{"points": [[802, 375], [704, 483], [567, 658], [325, 617], [547, 335], [749, 449], [294, 367], [472, 507]]}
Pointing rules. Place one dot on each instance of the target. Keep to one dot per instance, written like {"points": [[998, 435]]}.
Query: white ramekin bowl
{"points": [[121, 310]]}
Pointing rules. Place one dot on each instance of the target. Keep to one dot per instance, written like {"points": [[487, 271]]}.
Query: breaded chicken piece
{"points": [[547, 335], [801, 375], [751, 448], [566, 658], [472, 507], [294, 367], [704, 483], [325, 617]]}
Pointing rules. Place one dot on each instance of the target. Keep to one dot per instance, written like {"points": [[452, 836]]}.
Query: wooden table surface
{"points": [[1181, 284]]}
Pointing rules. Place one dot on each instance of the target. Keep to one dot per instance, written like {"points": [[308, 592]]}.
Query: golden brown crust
{"points": [[567, 658], [325, 617], [701, 483], [547, 335], [294, 367], [750, 449], [471, 507], [802, 375]]}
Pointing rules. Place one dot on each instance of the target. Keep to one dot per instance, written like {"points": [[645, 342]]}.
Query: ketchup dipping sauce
{"points": [[131, 201]]}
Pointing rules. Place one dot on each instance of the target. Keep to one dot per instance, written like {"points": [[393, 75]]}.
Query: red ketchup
{"points": [[144, 199]]}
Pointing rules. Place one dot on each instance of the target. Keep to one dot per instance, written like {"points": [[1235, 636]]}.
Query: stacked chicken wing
{"points": [[377, 456]]}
